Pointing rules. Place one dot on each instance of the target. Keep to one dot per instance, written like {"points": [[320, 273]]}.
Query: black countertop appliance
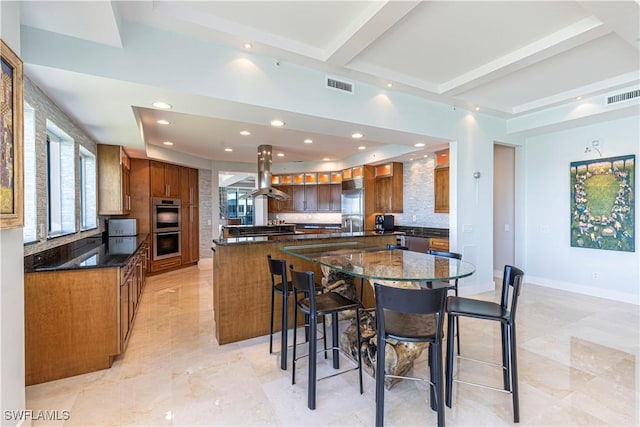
{"points": [[384, 223]]}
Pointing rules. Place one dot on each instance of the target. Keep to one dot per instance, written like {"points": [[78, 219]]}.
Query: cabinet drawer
{"points": [[439, 244], [165, 264]]}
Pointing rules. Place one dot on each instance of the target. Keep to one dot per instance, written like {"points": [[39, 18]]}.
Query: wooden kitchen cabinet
{"points": [[165, 179], [305, 198], [329, 197], [190, 237], [189, 186], [114, 197], [389, 188], [439, 244], [441, 189]]}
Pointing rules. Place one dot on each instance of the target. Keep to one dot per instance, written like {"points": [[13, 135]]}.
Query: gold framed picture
{"points": [[11, 143]]}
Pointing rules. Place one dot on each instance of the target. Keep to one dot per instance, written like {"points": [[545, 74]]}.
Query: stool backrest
{"points": [[304, 281], [512, 278], [277, 267], [412, 301]]}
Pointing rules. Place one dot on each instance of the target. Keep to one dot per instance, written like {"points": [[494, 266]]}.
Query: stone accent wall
{"points": [[45, 110], [206, 213], [419, 198]]}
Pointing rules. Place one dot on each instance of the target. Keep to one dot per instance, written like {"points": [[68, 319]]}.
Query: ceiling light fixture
{"points": [[277, 123], [280, 154], [362, 147], [163, 122], [326, 159], [247, 45], [389, 84], [228, 149], [308, 141], [168, 143], [578, 98], [477, 108], [356, 135], [162, 105], [245, 133], [419, 144]]}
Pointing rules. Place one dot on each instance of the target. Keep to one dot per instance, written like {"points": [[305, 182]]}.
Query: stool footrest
{"points": [[498, 365], [482, 386]]}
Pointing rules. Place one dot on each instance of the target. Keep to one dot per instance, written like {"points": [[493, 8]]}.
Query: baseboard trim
{"points": [[581, 289]]}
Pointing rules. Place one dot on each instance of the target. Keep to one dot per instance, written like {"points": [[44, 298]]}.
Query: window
{"points": [[88, 210], [233, 206], [60, 182], [30, 211]]}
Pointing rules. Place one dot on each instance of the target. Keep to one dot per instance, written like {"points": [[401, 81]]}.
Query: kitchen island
{"points": [[242, 284]]}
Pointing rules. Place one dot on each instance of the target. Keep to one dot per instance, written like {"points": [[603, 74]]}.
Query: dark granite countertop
{"points": [[423, 231], [293, 237], [90, 252]]}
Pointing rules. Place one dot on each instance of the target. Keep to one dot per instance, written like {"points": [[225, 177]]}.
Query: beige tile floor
{"points": [[578, 358]]}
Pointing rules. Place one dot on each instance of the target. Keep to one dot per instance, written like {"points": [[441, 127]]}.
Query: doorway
{"points": [[504, 183]]}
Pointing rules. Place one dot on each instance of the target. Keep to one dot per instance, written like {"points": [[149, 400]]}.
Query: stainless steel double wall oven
{"points": [[166, 228]]}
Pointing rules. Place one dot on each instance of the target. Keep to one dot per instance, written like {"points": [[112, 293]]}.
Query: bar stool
{"points": [[505, 313], [453, 255], [414, 315], [314, 305], [282, 286]]}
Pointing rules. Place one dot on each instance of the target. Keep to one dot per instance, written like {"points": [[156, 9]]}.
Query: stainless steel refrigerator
{"points": [[352, 206]]}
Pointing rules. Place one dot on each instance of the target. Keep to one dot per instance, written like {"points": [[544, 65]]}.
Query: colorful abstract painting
{"points": [[602, 203]]}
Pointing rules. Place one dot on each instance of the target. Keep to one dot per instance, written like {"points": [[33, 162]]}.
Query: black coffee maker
{"points": [[384, 223]]}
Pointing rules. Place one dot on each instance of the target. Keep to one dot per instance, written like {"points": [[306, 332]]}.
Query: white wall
{"points": [[12, 389], [550, 260]]}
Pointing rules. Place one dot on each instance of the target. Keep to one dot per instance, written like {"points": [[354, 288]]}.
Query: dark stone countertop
{"points": [[426, 232], [294, 237], [90, 252]]}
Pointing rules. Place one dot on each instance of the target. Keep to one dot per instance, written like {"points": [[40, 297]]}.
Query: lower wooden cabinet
{"points": [[166, 264], [441, 189]]}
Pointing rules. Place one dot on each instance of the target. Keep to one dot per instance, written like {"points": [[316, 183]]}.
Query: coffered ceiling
{"points": [[507, 59]]}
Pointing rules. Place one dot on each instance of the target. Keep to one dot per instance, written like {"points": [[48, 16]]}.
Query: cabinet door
{"points": [[417, 244], [193, 186], [441, 190], [158, 185], [324, 197], [184, 186], [298, 198], [383, 194], [274, 205], [336, 198], [311, 198], [172, 179], [194, 233], [185, 247], [286, 205], [124, 313]]}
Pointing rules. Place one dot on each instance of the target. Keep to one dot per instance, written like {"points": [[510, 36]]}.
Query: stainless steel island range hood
{"points": [[264, 176]]}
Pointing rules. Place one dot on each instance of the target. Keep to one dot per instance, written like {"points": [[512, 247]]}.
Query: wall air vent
{"points": [[340, 85], [623, 97]]}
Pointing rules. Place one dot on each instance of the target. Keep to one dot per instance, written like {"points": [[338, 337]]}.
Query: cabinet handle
{"points": [[190, 213], [168, 190], [191, 195]]}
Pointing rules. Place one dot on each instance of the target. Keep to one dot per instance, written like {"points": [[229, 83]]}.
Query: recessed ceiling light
{"points": [[308, 141], [389, 84], [326, 159], [362, 147], [426, 155], [162, 105], [411, 159], [163, 122], [228, 149], [245, 133], [168, 143], [277, 123], [356, 135], [247, 45], [280, 154], [477, 108], [579, 98], [419, 144]]}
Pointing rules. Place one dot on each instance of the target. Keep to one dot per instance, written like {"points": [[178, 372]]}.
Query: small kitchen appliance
{"points": [[384, 223], [122, 227]]}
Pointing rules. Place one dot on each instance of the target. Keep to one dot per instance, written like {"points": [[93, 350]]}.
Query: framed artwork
{"points": [[602, 203], [11, 112]]}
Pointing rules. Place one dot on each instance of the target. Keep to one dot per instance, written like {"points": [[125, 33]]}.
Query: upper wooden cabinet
{"points": [[114, 197], [388, 187], [189, 186], [165, 179], [308, 192], [441, 182]]}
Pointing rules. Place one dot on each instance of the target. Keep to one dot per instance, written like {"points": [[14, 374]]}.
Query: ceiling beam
{"points": [[620, 16], [373, 23], [563, 40]]}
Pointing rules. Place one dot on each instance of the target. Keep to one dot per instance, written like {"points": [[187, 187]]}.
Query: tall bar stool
{"points": [[282, 286], [314, 305], [414, 315], [454, 255], [505, 313]]}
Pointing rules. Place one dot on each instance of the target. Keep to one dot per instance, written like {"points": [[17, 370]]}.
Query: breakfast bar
{"points": [[242, 284]]}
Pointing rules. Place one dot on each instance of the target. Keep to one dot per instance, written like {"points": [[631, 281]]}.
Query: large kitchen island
{"points": [[242, 284]]}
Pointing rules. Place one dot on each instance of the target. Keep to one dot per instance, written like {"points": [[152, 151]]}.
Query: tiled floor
{"points": [[578, 358]]}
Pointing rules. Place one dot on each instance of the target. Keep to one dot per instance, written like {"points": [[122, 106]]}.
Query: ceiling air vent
{"points": [[340, 85], [623, 97]]}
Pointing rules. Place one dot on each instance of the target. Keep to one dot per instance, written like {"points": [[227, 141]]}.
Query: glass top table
{"points": [[382, 265]]}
